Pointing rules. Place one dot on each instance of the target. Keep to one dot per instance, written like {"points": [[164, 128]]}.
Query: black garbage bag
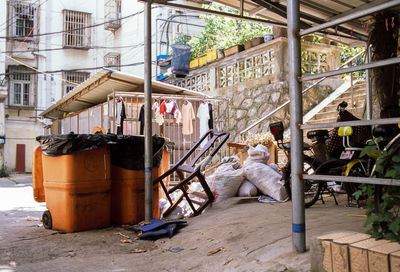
{"points": [[128, 152], [66, 144]]}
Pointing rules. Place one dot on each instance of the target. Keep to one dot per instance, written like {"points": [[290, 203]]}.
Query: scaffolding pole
{"points": [[296, 117], [148, 141]]}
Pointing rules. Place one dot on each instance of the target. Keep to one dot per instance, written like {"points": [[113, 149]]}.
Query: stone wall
{"points": [[250, 101]]}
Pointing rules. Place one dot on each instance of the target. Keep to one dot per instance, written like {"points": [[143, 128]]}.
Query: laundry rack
{"points": [[170, 129]]}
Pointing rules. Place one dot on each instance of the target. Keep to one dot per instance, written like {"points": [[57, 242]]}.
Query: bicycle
{"points": [[322, 161]]}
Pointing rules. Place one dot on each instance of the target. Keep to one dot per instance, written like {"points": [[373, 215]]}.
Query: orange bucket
{"points": [[77, 189]]}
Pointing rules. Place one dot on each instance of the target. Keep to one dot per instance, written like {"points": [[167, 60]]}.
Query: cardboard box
{"points": [[378, 257]]}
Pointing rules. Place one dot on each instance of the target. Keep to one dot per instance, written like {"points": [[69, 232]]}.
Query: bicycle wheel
{"points": [[358, 170], [312, 189]]}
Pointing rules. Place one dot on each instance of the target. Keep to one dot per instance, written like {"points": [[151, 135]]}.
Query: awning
{"points": [[94, 91]]}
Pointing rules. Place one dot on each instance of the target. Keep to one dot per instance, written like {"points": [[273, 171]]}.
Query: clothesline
{"points": [[164, 96]]}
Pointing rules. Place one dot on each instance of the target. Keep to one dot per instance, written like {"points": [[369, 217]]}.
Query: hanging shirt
{"points": [[204, 115], [210, 122], [141, 119], [163, 108], [187, 117], [170, 107]]}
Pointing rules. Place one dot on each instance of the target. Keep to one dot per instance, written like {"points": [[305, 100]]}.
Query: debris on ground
{"points": [[228, 261], [158, 228], [137, 250], [175, 249], [31, 218], [212, 252]]}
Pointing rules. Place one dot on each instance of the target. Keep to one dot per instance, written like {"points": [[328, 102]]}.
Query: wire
{"points": [[63, 48], [75, 29]]}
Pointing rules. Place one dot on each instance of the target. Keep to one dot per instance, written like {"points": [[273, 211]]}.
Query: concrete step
{"points": [[334, 113]]}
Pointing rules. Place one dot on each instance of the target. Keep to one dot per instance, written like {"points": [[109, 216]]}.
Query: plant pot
{"points": [[308, 38], [212, 55], [220, 54], [194, 63], [247, 45], [257, 41], [268, 37], [203, 60], [233, 50]]}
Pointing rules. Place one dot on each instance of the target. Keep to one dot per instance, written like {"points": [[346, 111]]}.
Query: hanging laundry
{"points": [[178, 116], [163, 108], [141, 119], [170, 107], [120, 115], [157, 115], [204, 115], [210, 122], [187, 117]]}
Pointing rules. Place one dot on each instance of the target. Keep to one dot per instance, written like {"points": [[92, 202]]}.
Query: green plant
{"points": [[3, 171], [384, 217], [221, 32]]}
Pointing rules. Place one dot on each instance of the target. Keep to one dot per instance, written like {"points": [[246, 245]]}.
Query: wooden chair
{"points": [[193, 169]]}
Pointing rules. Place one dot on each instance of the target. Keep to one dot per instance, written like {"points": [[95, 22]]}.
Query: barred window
{"points": [[113, 60], [72, 79], [21, 87], [77, 32], [24, 17], [112, 14]]}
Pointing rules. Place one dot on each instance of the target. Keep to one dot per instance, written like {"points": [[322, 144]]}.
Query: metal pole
{"points": [[369, 89], [349, 17], [296, 119], [148, 141]]}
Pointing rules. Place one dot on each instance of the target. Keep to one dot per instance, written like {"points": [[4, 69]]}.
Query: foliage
{"points": [[3, 171], [384, 217], [222, 32], [349, 52]]}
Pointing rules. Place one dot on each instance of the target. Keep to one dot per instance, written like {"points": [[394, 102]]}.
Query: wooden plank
{"points": [[378, 257], [395, 261], [327, 259]]}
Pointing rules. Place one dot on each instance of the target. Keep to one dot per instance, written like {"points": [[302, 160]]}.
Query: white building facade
{"points": [[47, 47]]}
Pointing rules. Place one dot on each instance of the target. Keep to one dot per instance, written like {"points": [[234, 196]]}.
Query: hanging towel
{"points": [[187, 117], [163, 108]]}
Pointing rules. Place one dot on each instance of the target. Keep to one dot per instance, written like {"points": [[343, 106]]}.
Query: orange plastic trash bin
{"points": [[128, 179], [77, 186], [37, 175]]}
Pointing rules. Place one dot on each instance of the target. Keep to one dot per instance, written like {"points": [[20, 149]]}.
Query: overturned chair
{"points": [[193, 170]]}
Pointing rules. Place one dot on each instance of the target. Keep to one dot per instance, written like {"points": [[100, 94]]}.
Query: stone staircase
{"points": [[326, 112]]}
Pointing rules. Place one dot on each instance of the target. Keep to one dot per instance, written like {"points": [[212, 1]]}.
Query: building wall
{"points": [[23, 124]]}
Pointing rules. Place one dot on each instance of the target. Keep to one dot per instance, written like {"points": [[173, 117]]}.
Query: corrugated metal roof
{"points": [[95, 90]]}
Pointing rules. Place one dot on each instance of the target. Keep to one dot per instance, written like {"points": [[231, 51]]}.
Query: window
{"points": [[113, 60], [112, 14], [77, 32], [24, 18], [21, 87], [72, 79]]}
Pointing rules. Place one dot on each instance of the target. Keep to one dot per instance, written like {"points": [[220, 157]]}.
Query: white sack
{"points": [[247, 189], [275, 167], [266, 180], [226, 180], [258, 154]]}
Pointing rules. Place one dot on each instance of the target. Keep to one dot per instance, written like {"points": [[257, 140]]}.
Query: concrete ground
{"points": [[252, 236]]}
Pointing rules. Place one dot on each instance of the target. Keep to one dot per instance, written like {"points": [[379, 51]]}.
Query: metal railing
{"points": [[303, 92]]}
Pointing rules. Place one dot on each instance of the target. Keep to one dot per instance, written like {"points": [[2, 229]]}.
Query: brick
{"points": [[359, 253], [395, 261], [378, 257], [357, 237]]}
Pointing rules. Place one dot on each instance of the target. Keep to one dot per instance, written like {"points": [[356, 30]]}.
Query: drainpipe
{"points": [[296, 119], [148, 142]]}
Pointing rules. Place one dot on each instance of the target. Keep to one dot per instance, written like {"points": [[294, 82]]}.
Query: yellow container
{"points": [[194, 63], [203, 60], [211, 55], [37, 175]]}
